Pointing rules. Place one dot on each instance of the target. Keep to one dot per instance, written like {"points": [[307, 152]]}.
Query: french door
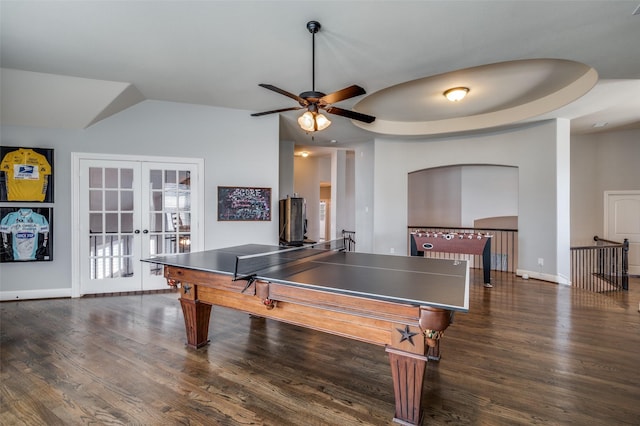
{"points": [[131, 210]]}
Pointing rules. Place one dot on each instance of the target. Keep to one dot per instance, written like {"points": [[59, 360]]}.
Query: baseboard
{"points": [[544, 277], [66, 292], [53, 293]]}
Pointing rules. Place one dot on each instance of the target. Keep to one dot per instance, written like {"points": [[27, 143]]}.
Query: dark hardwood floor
{"points": [[528, 352]]}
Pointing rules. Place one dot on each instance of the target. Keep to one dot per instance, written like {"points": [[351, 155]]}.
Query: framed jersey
{"points": [[26, 234], [26, 174]]}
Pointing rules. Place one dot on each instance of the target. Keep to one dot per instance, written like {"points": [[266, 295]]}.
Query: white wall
{"points": [[563, 206], [364, 183], [238, 150], [285, 176], [339, 205], [584, 191], [349, 218], [608, 161], [434, 197], [533, 149], [456, 196], [488, 191]]}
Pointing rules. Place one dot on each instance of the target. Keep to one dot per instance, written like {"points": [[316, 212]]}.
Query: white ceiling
{"points": [[216, 53]]}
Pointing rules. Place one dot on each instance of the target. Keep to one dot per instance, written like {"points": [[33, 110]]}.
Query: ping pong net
{"points": [[250, 265]]}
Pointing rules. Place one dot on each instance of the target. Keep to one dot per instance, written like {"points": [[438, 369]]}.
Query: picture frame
{"points": [[26, 174], [26, 234], [238, 203]]}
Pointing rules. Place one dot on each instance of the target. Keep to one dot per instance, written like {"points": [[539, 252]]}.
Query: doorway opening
{"points": [[324, 215]]}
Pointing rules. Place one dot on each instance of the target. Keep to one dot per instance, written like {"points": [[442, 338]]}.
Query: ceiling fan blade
{"points": [[341, 95], [351, 114], [300, 100], [257, 114]]}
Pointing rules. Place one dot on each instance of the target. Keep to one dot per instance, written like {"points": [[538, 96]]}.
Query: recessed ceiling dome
{"points": [[499, 94]]}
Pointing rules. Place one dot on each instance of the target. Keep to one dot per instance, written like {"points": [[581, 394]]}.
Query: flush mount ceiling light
{"points": [[456, 94]]}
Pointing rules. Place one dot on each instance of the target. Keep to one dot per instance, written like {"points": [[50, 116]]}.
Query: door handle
{"points": [[137, 231], [146, 231]]}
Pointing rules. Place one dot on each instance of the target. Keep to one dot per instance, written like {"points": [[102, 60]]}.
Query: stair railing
{"points": [[601, 267]]}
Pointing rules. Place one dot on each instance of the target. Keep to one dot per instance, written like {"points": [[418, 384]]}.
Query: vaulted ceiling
{"points": [[69, 64]]}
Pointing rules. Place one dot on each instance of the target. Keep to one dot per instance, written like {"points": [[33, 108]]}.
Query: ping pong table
{"points": [[403, 303]]}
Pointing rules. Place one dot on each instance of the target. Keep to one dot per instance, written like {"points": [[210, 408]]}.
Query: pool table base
{"points": [[409, 333]]}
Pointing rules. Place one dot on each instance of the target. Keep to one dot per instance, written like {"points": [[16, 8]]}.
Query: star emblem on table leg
{"points": [[407, 334]]}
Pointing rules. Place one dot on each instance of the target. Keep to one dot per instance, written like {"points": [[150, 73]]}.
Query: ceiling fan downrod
{"points": [[313, 27]]}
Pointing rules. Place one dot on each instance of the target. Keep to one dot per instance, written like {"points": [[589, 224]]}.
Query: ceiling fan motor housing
{"points": [[312, 96]]}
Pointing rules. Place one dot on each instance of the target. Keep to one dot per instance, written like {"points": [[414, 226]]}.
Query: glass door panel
{"points": [[170, 211], [110, 253]]}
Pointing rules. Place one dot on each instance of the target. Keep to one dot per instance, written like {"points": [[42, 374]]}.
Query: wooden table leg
{"points": [[407, 371], [408, 358], [196, 317]]}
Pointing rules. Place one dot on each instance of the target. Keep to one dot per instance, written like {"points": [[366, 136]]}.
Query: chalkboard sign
{"points": [[244, 204]]}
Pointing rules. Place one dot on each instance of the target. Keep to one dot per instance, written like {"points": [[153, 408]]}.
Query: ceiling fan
{"points": [[312, 120]]}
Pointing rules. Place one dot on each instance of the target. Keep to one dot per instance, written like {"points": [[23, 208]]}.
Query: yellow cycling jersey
{"points": [[26, 174]]}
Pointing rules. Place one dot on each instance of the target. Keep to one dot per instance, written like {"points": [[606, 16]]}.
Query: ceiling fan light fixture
{"points": [[322, 122], [456, 94], [311, 121], [307, 122]]}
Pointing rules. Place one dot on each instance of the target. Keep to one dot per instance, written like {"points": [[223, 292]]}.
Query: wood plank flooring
{"points": [[528, 352]]}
